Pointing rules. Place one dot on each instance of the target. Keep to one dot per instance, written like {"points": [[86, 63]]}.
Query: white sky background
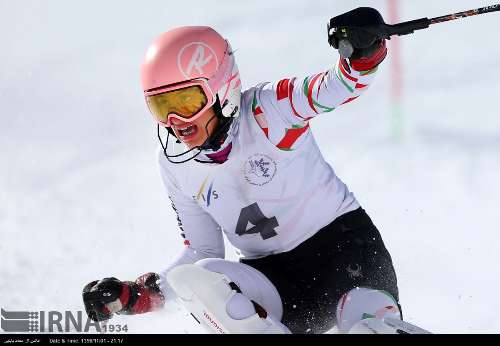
{"points": [[81, 199]]}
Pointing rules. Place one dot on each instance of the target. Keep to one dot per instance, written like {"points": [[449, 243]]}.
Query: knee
{"points": [[217, 302], [250, 282], [231, 270], [361, 303]]}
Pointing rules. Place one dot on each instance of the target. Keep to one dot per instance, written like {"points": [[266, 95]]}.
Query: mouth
{"points": [[187, 133]]}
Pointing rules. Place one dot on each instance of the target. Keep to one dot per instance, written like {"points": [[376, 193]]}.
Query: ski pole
{"points": [[385, 31]]}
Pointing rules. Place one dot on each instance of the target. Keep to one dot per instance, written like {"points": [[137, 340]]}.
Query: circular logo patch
{"points": [[197, 58], [259, 169]]}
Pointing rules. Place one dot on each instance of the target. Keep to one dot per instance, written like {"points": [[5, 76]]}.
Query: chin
{"points": [[192, 144]]}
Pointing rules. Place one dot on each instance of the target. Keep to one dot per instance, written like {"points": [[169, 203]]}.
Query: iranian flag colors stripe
{"points": [[349, 100], [366, 73], [344, 72], [290, 98], [308, 90], [266, 131], [254, 102], [282, 89], [261, 120], [338, 73], [360, 86], [259, 115], [291, 137]]}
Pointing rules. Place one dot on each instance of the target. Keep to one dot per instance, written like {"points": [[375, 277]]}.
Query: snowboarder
{"points": [[246, 164]]}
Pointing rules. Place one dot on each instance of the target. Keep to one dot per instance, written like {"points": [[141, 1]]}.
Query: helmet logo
{"points": [[197, 59]]}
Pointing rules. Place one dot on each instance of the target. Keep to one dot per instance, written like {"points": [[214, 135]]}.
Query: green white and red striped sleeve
{"points": [[283, 109]]}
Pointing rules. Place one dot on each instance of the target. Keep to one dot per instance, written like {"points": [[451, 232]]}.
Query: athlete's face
{"points": [[193, 133]]}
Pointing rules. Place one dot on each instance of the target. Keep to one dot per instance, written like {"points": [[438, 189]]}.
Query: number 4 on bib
{"points": [[263, 225]]}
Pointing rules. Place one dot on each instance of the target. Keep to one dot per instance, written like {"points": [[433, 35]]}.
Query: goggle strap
{"points": [[165, 147]]}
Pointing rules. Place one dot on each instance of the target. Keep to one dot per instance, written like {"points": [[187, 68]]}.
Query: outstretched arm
{"points": [[350, 77], [283, 109], [307, 97]]}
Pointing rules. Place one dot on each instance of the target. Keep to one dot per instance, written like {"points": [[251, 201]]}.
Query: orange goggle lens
{"points": [[185, 102]]}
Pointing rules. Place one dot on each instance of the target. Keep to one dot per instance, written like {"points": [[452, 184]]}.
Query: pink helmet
{"points": [[193, 52]]}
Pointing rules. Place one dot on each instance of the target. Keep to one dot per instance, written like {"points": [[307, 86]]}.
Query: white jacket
{"points": [[275, 190]]}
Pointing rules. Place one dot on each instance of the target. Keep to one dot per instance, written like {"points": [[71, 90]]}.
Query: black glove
{"points": [[360, 28], [105, 297]]}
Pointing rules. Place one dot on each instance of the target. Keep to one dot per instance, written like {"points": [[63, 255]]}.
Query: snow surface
{"points": [[81, 198]]}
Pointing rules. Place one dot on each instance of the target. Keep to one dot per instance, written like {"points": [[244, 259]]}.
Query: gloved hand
{"points": [[105, 297], [359, 28], [108, 296]]}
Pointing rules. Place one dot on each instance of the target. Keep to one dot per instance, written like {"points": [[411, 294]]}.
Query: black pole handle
{"points": [[385, 31], [406, 28]]}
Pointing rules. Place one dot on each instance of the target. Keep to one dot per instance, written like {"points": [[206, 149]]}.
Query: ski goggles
{"points": [[186, 102]]}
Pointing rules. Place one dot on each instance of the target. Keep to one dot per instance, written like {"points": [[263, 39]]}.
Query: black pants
{"points": [[311, 278]]}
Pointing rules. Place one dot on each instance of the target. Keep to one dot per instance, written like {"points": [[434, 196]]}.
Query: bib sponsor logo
{"points": [[206, 195], [259, 169], [196, 59]]}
